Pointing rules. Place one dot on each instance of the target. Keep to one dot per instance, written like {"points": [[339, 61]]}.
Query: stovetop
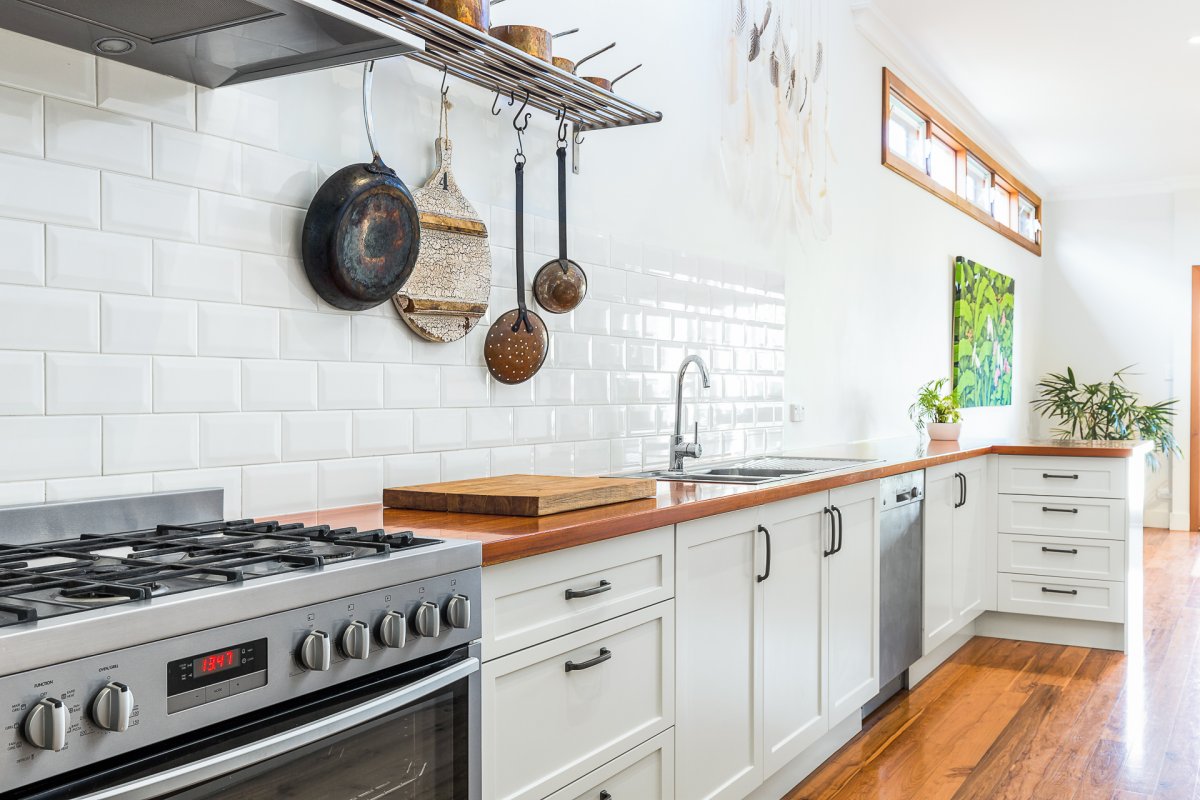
{"points": [[54, 578]]}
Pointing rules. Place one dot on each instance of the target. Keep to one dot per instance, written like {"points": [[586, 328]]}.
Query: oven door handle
{"points": [[181, 777]]}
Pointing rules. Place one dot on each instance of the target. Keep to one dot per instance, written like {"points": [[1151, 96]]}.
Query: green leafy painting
{"points": [[983, 335]]}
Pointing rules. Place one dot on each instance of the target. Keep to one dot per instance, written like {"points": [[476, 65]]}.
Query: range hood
{"points": [[211, 42]]}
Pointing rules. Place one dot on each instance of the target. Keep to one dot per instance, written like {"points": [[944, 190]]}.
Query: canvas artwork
{"points": [[983, 334]]}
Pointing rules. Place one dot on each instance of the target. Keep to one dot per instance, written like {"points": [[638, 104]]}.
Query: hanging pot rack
{"points": [[470, 55]]}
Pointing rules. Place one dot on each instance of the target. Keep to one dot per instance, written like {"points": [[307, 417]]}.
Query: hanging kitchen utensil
{"points": [[361, 233], [447, 293], [518, 341], [561, 284], [537, 42], [567, 65], [605, 83]]}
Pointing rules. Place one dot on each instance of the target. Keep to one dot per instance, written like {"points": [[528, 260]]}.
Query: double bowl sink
{"points": [[757, 470]]}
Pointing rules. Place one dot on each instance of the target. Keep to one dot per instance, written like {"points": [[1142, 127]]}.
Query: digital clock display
{"points": [[215, 662]]}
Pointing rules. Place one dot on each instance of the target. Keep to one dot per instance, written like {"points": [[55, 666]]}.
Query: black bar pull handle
{"points": [[1059, 591], [841, 529], [767, 573], [962, 491], [1060, 477], [964, 482], [604, 586], [605, 655], [1060, 510], [605, 795], [832, 533], [1068, 550]]}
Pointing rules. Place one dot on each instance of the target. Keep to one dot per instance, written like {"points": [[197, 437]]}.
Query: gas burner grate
{"points": [[63, 577]]}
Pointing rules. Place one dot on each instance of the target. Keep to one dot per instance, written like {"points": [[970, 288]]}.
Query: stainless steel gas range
{"points": [[149, 650]]}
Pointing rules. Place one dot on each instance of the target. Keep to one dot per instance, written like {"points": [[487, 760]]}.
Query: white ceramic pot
{"points": [[944, 431]]}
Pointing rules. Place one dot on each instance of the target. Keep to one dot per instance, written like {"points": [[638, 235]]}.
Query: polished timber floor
{"points": [[1006, 719]]}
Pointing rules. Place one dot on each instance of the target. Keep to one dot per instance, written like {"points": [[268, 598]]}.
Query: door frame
{"points": [[1194, 406]]}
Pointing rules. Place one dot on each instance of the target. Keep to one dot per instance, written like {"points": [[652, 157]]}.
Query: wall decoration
{"points": [[983, 334]]}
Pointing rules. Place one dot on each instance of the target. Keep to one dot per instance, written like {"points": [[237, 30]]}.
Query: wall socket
{"points": [[796, 412]]}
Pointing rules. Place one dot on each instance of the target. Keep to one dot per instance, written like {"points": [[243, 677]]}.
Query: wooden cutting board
{"points": [[519, 495]]}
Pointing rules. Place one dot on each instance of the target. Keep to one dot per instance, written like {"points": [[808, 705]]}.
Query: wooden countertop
{"points": [[510, 538]]}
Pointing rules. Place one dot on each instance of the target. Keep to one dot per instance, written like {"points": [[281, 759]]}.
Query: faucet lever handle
{"points": [[696, 431]]}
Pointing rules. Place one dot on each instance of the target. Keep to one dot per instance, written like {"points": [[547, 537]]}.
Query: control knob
{"points": [[356, 640], [393, 629], [315, 651], [458, 611], [46, 724], [111, 707], [428, 620]]}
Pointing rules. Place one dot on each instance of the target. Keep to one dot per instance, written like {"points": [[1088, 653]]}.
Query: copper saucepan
{"points": [[537, 42], [567, 65], [476, 13], [605, 83]]}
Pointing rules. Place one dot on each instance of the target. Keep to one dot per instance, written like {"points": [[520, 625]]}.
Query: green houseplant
{"points": [[1106, 410], [937, 412]]}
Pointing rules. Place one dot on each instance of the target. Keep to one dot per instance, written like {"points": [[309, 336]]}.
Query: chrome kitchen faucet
{"points": [[679, 448]]}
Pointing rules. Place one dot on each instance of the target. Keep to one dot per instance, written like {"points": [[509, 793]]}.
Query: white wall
{"points": [[869, 309]]}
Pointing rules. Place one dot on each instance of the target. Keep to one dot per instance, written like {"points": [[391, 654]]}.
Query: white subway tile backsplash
{"points": [[462, 465], [641, 421], [48, 319], [424, 352], [608, 422], [640, 356], [554, 459], [353, 482], [277, 178], [239, 114], [151, 442], [22, 383], [411, 386], [79, 383], [533, 425], [96, 138], [197, 160], [464, 386], [350, 385], [382, 432], [237, 439], [314, 336], [657, 387], [23, 256], [36, 448], [276, 281], [625, 454], [279, 386], [592, 458], [552, 387], [379, 339], [105, 486], [47, 192], [197, 384], [241, 223], [571, 350], [39, 66], [591, 386], [572, 423], [21, 122], [412, 470], [626, 387], [145, 94], [77, 258], [237, 331], [439, 429], [594, 318], [149, 208], [227, 478], [22, 493], [197, 272], [272, 489], [608, 352], [489, 427], [517, 460], [150, 325], [311, 435]]}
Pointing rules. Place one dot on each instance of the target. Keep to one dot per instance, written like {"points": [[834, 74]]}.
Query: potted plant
{"points": [[1107, 410], [937, 413]]}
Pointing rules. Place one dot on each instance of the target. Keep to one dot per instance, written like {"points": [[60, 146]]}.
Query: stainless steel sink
{"points": [[757, 470]]}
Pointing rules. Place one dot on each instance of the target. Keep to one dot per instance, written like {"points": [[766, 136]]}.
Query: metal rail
{"points": [[477, 58]]}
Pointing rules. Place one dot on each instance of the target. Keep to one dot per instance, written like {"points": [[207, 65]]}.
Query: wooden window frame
{"points": [[938, 125]]}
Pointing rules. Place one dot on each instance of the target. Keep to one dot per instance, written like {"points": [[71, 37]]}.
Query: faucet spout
{"points": [[679, 449]]}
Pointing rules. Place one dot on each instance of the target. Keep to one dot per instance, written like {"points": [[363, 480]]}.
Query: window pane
{"points": [[906, 134], [1026, 218], [979, 184], [942, 163], [1001, 209]]}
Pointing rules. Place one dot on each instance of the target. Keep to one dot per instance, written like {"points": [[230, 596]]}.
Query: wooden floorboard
{"points": [[1004, 720]]}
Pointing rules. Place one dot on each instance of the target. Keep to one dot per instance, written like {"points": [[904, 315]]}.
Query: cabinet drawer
{"points": [[647, 772], [1073, 598], [1098, 559], [545, 725], [1089, 518], [1063, 476], [526, 602]]}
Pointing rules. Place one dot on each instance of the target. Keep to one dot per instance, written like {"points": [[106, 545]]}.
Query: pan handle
{"points": [[368, 117], [613, 82], [593, 55]]}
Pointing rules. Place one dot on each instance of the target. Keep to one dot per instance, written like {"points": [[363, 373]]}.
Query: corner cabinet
{"points": [[956, 536], [777, 634]]}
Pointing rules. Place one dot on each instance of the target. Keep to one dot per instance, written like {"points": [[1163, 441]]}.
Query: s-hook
{"points": [[521, 126], [496, 103], [445, 88], [576, 141], [561, 117], [519, 158]]}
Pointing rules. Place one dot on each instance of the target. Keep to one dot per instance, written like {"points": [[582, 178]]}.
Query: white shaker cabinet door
{"points": [[852, 598], [943, 490], [970, 542]]}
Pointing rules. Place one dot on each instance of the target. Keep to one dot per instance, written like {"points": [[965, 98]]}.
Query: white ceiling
{"points": [[1093, 94]]}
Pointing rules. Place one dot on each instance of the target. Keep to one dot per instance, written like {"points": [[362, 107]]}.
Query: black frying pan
{"points": [[361, 233]]}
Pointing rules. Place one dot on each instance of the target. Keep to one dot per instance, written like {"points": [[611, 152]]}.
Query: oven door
{"points": [[411, 736]]}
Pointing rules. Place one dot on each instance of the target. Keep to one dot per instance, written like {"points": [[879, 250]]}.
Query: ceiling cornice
{"points": [[917, 71]]}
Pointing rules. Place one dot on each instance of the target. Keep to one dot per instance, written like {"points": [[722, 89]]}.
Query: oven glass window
{"points": [[417, 753]]}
